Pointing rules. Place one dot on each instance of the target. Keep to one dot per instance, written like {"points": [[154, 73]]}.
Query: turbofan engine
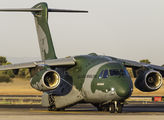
{"points": [[148, 81], [45, 80]]}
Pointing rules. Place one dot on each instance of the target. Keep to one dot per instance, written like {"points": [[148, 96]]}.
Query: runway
{"points": [[81, 112]]}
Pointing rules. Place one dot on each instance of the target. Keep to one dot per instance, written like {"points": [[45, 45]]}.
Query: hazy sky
{"points": [[129, 29]]}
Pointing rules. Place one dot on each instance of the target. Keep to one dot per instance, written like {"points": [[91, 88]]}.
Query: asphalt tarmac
{"points": [[81, 112]]}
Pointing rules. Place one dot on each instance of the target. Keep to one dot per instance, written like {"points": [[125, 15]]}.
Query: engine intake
{"points": [[51, 79], [46, 80], [150, 80]]}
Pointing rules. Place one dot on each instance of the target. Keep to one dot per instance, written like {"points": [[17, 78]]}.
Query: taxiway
{"points": [[81, 112]]}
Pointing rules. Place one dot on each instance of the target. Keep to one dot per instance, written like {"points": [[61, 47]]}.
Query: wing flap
{"points": [[53, 62]]}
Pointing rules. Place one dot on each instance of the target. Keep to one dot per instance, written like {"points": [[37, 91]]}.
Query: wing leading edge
{"points": [[53, 62], [136, 65]]}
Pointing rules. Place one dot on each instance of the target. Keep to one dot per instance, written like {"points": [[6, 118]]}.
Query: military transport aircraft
{"points": [[100, 80]]}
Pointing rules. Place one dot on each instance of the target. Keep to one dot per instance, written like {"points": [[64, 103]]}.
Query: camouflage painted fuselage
{"points": [[89, 84]]}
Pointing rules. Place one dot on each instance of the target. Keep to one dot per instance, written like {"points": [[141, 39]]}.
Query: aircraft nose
{"points": [[124, 92], [125, 89]]}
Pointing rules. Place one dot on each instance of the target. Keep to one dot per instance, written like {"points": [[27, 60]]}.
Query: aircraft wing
{"points": [[136, 65], [53, 62]]}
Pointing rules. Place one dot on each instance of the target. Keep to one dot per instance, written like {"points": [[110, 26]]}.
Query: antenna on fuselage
{"points": [[40, 12]]}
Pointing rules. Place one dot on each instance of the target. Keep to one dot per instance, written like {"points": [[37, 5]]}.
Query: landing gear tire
{"points": [[101, 107], [112, 108], [60, 109], [105, 109], [119, 107], [52, 108]]}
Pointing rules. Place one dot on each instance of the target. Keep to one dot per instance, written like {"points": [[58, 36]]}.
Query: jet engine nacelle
{"points": [[46, 80], [148, 81]]}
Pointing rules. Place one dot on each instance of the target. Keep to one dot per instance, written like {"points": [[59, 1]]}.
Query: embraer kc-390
{"points": [[100, 80]]}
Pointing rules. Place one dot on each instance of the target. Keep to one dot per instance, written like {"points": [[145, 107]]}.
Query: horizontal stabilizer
{"points": [[39, 9], [65, 10], [22, 10]]}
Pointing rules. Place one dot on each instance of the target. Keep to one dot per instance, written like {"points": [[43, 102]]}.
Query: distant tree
{"points": [[24, 73], [162, 65], [3, 60], [145, 61], [5, 76]]}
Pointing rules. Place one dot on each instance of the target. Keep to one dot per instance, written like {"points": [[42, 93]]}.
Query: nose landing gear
{"points": [[116, 107], [112, 107], [119, 107]]}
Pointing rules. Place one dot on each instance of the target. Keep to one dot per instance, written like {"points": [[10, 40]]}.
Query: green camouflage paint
{"points": [[37, 80], [83, 64], [43, 31], [79, 74]]}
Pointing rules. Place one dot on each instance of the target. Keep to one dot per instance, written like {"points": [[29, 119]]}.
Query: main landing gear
{"points": [[52, 106], [111, 107]]}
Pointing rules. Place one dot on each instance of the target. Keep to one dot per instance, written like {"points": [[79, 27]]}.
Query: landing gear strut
{"points": [[52, 106], [119, 107], [115, 106]]}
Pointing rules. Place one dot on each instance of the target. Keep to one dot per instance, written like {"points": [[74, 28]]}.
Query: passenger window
{"points": [[106, 74]]}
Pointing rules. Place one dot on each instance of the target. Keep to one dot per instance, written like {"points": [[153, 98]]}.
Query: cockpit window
{"points": [[104, 74], [101, 74], [113, 72], [117, 72]]}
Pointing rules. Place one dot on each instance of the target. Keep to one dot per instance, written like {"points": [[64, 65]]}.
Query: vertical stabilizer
{"points": [[40, 12], [43, 31]]}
